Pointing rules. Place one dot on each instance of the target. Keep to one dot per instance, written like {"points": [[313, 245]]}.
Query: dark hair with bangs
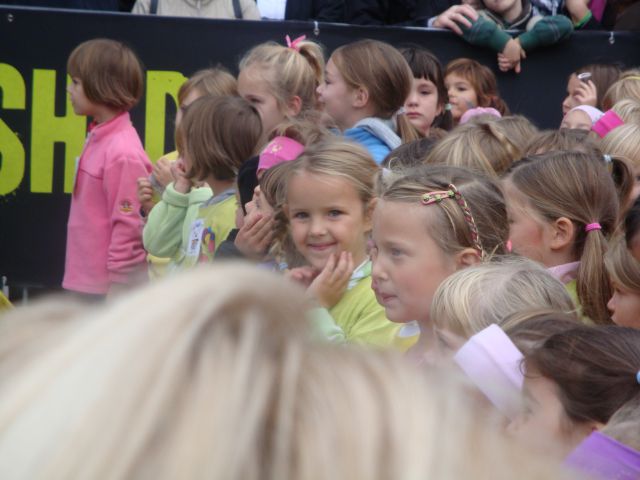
{"points": [[425, 64]]}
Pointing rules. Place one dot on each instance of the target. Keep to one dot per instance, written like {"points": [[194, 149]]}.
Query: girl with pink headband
{"points": [[563, 208]]}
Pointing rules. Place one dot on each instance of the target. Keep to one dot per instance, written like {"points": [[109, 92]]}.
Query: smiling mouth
{"points": [[321, 246]]}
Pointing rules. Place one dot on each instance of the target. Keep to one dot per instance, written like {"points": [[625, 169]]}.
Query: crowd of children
{"points": [[488, 272]]}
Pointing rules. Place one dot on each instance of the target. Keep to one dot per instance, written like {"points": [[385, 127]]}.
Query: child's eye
{"points": [[301, 215], [335, 213], [395, 252]]}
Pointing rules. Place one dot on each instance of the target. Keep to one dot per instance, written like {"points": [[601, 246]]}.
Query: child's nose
{"points": [[611, 305], [318, 226]]}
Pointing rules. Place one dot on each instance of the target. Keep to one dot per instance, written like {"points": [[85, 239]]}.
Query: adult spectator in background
{"points": [[321, 10], [240, 9]]}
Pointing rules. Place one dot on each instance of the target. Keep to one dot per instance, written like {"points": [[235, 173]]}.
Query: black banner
{"points": [[40, 137]]}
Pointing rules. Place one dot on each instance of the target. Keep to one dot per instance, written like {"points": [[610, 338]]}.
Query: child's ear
{"points": [[563, 232], [361, 97], [467, 258], [294, 105], [368, 214]]}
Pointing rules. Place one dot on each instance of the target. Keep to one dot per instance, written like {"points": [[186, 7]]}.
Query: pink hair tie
{"points": [[296, 43], [492, 362], [607, 122], [280, 149], [592, 226]]}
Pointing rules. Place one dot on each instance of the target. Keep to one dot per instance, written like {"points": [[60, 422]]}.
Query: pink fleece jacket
{"points": [[104, 232]]}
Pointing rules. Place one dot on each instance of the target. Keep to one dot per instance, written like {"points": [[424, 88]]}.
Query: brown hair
{"points": [[529, 329], [289, 72], [409, 154], [450, 229], [210, 81], [594, 369], [576, 186], [383, 71], [482, 145], [623, 268], [563, 139], [603, 76], [218, 134], [482, 80], [627, 87], [424, 64], [623, 425], [110, 72], [303, 130]]}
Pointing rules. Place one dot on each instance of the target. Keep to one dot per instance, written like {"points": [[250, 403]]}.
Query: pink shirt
{"points": [[104, 232]]}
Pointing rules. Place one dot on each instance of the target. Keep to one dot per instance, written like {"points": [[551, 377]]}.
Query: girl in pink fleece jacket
{"points": [[104, 232]]}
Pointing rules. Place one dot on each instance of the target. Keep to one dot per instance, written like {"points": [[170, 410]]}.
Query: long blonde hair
{"points": [[213, 375], [623, 268], [474, 298], [576, 186]]}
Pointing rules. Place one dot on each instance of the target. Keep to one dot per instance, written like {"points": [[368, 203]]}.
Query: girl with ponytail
{"points": [[364, 89], [562, 208]]}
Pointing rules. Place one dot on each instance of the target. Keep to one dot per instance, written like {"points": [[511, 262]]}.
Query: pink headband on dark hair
{"points": [[492, 362], [607, 122], [280, 149]]}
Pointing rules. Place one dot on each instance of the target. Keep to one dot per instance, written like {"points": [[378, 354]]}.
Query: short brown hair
{"points": [[218, 134], [110, 72], [594, 369]]}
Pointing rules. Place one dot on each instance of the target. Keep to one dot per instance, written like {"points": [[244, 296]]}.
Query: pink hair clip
{"points": [[592, 226], [296, 43]]}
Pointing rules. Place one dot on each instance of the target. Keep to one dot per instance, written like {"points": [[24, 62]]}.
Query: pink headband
{"points": [[280, 149], [472, 112], [492, 362], [607, 122], [594, 113]]}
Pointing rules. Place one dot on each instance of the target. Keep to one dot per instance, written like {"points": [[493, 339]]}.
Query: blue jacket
{"points": [[376, 135]]}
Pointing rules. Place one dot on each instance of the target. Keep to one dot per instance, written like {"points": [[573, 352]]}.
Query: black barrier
{"points": [[40, 137]]}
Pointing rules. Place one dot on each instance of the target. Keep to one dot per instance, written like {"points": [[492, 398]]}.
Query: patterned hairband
{"points": [[453, 192]]}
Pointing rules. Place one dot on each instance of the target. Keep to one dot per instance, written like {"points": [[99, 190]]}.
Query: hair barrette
{"points": [[295, 44], [437, 196], [607, 158]]}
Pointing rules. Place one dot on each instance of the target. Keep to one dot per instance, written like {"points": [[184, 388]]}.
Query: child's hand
{"points": [[511, 56], [458, 14], [255, 236], [302, 275], [329, 286], [162, 172], [587, 94], [181, 184], [145, 194]]}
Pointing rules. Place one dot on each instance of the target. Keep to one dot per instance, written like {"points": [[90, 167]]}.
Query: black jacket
{"points": [[395, 12], [321, 10]]}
